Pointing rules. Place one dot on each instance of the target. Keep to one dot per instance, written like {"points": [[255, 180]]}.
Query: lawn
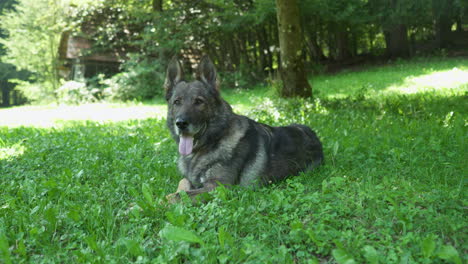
{"points": [[90, 188]]}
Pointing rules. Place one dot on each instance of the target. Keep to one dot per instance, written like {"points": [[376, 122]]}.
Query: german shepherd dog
{"points": [[217, 146]]}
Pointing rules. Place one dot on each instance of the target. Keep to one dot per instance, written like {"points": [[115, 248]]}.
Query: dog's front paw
{"points": [[184, 185], [173, 198]]}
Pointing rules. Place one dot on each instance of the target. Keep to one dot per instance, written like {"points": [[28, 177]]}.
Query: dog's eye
{"points": [[177, 102], [199, 101]]}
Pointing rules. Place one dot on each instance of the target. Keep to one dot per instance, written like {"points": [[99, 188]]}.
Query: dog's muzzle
{"points": [[182, 124]]}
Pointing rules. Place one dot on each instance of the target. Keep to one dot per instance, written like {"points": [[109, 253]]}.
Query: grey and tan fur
{"points": [[219, 146]]}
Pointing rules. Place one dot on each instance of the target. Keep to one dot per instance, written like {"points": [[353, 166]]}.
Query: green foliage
{"points": [[4, 6], [391, 191], [42, 22], [151, 38], [241, 37], [179, 234], [450, 254], [411, 13], [8, 71], [34, 91], [141, 79], [338, 30]]}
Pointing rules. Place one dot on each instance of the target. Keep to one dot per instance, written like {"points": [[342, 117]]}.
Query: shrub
{"points": [[73, 92], [141, 79], [34, 92]]}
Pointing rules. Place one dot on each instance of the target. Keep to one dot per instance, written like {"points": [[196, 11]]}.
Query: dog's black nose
{"points": [[181, 123]]}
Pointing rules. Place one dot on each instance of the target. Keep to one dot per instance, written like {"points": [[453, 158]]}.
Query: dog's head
{"points": [[190, 104]]}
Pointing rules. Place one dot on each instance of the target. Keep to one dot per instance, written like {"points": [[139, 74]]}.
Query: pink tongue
{"points": [[185, 145]]}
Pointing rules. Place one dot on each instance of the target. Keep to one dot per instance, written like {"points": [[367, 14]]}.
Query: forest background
{"points": [[128, 43]]}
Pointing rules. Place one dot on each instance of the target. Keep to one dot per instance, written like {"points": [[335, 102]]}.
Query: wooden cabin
{"points": [[81, 62]]}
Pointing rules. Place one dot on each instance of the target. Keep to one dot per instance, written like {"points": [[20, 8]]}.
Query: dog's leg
{"points": [[207, 187], [192, 193]]}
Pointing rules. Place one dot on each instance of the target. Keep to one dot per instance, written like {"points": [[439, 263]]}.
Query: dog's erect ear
{"points": [[207, 73], [174, 74]]}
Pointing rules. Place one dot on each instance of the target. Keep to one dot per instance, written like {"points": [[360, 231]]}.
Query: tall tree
{"points": [[292, 70]]}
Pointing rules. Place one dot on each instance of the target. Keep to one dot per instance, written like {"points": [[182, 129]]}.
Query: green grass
{"points": [[392, 189]]}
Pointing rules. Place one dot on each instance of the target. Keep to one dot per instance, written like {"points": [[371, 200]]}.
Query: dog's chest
{"points": [[213, 161], [192, 170]]}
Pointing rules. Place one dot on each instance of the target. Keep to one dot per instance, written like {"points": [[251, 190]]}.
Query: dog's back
{"points": [[278, 152], [292, 149]]}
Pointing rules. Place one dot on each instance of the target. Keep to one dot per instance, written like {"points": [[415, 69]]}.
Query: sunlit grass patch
{"points": [[242, 101], [437, 81], [11, 151], [403, 77]]}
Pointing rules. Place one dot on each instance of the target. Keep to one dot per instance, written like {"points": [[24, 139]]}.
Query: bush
{"points": [[141, 79], [232, 80], [242, 78], [73, 92], [34, 92]]}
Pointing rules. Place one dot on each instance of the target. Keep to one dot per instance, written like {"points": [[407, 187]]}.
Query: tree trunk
{"points": [[443, 29], [157, 5], [234, 58], [5, 86], [443, 11], [331, 43], [252, 42], [244, 49], [342, 44], [16, 98], [273, 36], [269, 55], [292, 69], [396, 39], [315, 50], [262, 50]]}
